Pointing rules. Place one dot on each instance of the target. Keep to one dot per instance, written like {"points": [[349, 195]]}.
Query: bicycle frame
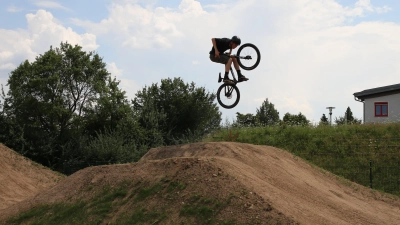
{"points": [[235, 81], [233, 75]]}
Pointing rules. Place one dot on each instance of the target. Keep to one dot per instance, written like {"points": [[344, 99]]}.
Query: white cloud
{"points": [[216, 6], [128, 85], [366, 5], [14, 9], [15, 47], [50, 5], [191, 7], [136, 27], [146, 27], [313, 14], [43, 31], [112, 68], [7, 66], [292, 104]]}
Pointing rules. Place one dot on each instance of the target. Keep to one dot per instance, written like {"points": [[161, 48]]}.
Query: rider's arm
{"points": [[215, 47]]}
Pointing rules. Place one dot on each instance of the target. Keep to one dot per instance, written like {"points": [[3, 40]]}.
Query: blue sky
{"points": [[315, 53]]}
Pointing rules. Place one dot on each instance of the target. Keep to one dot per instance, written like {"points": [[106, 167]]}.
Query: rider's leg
{"points": [[227, 68], [240, 75], [227, 61], [235, 64]]}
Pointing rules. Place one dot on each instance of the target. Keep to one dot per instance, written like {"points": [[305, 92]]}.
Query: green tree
{"points": [[51, 99], [176, 109], [348, 118], [267, 114], [150, 116], [11, 134], [295, 120], [112, 107], [3, 124], [324, 120], [245, 120], [2, 97]]}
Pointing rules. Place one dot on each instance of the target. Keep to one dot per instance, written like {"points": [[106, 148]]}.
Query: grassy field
{"points": [[366, 154], [127, 202]]}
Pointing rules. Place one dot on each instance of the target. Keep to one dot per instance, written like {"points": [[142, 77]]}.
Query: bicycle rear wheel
{"points": [[228, 95], [248, 56]]}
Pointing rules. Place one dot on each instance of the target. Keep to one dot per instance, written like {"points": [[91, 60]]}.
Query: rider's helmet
{"points": [[236, 40]]}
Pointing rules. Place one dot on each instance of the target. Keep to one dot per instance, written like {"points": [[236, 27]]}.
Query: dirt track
{"points": [[20, 178], [307, 194], [294, 189]]}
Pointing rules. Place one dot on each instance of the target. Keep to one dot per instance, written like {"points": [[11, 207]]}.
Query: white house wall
{"points": [[393, 106]]}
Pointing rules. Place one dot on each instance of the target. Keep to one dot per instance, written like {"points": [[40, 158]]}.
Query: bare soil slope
{"points": [[173, 191], [20, 178], [295, 188], [263, 185]]}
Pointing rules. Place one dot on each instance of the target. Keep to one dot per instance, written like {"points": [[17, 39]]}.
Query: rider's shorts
{"points": [[222, 58]]}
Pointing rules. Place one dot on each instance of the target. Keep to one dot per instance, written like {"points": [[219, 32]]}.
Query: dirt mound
{"points": [[237, 182], [307, 194], [187, 191], [20, 178]]}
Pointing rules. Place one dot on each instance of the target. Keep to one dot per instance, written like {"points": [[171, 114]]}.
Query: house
{"points": [[381, 104]]}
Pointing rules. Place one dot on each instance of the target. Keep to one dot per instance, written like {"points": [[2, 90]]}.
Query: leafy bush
{"points": [[178, 110]]}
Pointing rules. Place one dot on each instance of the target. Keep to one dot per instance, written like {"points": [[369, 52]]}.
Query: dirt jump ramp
{"points": [[21, 179], [284, 188], [305, 193]]}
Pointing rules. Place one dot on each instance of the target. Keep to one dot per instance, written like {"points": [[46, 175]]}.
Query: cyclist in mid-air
{"points": [[220, 45]]}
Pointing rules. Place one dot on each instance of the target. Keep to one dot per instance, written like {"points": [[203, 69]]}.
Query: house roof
{"points": [[379, 91]]}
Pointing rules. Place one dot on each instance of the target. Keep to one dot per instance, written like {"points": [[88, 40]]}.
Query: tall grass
{"points": [[131, 202], [347, 150]]}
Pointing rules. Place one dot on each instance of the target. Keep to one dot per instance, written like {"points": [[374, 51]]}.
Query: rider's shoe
{"points": [[227, 80], [242, 78]]}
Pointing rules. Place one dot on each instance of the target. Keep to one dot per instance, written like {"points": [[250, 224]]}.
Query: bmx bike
{"points": [[248, 57]]}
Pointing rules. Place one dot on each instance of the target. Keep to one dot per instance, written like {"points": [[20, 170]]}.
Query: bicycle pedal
{"points": [[219, 78]]}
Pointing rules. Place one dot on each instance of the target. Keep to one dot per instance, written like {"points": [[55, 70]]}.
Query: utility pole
{"points": [[330, 114]]}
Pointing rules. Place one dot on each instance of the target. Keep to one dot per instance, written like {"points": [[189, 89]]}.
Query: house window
{"points": [[381, 109]]}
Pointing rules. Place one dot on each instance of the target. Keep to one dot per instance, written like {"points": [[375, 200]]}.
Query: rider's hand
{"points": [[216, 54]]}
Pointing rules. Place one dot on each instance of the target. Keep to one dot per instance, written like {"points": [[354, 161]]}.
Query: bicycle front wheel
{"points": [[248, 56], [228, 95]]}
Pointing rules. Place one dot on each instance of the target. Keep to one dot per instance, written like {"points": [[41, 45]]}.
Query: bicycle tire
{"points": [[229, 91], [249, 52]]}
